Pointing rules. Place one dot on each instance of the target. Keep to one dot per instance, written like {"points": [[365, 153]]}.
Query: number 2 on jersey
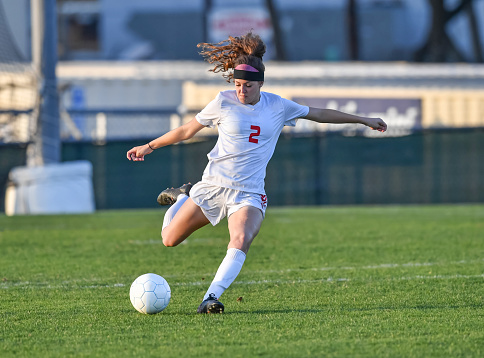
{"points": [[253, 135]]}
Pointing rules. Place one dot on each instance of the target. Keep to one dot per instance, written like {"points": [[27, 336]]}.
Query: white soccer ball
{"points": [[150, 293]]}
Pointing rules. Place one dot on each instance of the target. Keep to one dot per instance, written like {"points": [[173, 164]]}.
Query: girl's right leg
{"points": [[186, 220]]}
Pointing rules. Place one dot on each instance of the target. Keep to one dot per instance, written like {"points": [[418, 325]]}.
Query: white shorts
{"points": [[217, 202]]}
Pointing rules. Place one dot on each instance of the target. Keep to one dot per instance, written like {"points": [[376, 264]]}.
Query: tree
{"points": [[278, 41]]}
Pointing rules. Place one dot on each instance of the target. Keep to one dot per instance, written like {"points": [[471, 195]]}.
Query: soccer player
{"points": [[249, 123]]}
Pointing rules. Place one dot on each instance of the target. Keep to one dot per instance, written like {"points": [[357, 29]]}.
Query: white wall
{"points": [[115, 34]]}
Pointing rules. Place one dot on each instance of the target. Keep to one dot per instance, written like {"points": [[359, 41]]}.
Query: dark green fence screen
{"points": [[424, 168]]}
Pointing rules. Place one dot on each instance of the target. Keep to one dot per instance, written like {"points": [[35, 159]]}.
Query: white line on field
{"points": [[198, 240], [438, 277], [6, 285], [333, 268], [261, 282], [27, 284]]}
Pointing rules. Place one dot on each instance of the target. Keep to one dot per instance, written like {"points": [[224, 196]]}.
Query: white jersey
{"points": [[247, 138]]}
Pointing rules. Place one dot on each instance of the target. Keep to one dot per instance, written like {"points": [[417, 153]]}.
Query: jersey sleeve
{"points": [[210, 115], [293, 111]]}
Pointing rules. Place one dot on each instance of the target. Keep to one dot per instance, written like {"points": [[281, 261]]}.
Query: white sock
{"points": [[171, 212], [227, 272]]}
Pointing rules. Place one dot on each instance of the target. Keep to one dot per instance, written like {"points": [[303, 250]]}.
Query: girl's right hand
{"points": [[138, 153]]}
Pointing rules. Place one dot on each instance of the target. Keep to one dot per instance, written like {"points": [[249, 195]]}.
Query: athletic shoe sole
{"points": [[169, 196]]}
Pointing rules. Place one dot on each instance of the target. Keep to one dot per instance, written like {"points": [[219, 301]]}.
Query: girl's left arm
{"points": [[320, 115]]}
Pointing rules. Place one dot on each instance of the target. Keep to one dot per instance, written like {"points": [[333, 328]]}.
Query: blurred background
{"points": [[127, 71]]}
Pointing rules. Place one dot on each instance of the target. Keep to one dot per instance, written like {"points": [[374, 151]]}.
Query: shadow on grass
{"points": [[326, 310], [355, 309], [285, 311]]}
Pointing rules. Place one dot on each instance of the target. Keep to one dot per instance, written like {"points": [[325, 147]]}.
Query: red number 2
{"points": [[252, 136]]}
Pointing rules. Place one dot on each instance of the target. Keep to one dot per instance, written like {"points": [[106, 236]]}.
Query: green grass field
{"points": [[325, 282]]}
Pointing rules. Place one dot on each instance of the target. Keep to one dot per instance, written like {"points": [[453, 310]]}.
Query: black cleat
{"points": [[168, 196], [211, 305]]}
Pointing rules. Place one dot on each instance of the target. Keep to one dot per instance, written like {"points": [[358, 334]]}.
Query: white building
{"points": [[389, 30]]}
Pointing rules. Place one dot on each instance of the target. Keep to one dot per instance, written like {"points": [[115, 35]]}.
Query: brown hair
{"points": [[230, 53]]}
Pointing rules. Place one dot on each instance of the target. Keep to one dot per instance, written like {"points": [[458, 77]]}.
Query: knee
{"points": [[168, 239], [240, 241]]}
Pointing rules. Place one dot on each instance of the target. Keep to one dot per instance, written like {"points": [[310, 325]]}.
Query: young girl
{"points": [[249, 124]]}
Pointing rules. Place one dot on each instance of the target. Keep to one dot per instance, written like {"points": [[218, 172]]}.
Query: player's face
{"points": [[248, 92]]}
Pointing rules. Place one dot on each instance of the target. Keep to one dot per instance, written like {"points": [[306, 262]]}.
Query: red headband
{"points": [[245, 67]]}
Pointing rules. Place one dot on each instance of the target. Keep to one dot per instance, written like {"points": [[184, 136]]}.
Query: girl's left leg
{"points": [[244, 225], [182, 222]]}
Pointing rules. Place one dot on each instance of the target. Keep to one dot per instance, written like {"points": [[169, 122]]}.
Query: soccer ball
{"points": [[150, 293]]}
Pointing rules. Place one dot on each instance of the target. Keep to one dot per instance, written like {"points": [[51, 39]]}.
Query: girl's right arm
{"points": [[176, 135]]}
